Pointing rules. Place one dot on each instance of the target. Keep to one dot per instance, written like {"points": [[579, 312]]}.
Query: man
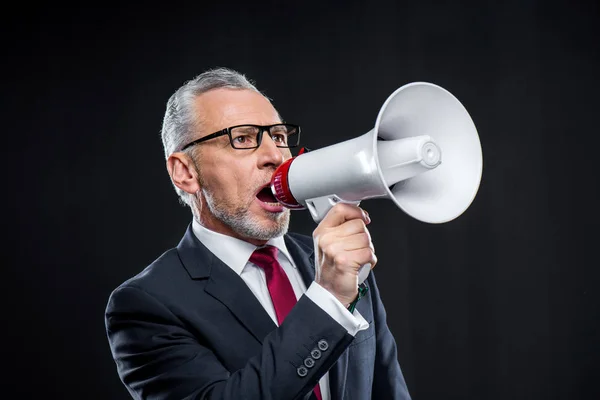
{"points": [[241, 309]]}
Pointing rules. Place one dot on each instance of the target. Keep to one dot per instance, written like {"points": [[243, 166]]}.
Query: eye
{"points": [[279, 138], [244, 137]]}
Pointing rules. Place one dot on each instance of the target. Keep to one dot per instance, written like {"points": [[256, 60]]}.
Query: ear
{"points": [[182, 172]]}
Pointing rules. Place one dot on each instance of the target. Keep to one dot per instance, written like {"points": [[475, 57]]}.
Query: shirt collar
{"points": [[232, 251]]}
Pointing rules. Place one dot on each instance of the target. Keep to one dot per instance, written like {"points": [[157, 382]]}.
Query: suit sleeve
{"points": [[157, 357], [388, 380]]}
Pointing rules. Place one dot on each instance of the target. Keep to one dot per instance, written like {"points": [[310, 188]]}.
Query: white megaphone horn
{"points": [[424, 154]]}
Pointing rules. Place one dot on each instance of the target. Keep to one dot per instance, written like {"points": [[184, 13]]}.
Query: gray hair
{"points": [[181, 119]]}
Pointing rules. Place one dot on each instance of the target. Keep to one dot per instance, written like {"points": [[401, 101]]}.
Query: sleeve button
{"points": [[309, 362], [323, 345], [315, 353], [302, 371]]}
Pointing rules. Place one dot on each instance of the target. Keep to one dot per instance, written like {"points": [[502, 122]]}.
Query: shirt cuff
{"points": [[353, 322]]}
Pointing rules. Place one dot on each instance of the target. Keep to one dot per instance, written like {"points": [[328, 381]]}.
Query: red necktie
{"points": [[280, 288]]}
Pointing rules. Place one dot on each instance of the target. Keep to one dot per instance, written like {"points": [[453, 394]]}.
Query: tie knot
{"points": [[264, 256]]}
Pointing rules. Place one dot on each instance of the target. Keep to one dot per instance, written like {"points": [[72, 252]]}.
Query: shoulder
{"points": [[155, 277], [156, 269]]}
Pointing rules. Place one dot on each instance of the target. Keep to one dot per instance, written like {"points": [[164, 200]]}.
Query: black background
{"points": [[501, 303]]}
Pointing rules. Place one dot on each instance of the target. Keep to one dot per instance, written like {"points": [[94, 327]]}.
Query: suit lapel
{"points": [[225, 286], [304, 258]]}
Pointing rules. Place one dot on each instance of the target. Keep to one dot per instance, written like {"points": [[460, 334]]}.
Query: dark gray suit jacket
{"points": [[188, 327]]}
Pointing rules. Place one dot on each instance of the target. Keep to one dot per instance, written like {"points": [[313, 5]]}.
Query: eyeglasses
{"points": [[245, 137]]}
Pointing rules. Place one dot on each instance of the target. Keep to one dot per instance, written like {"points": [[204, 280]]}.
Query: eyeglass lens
{"points": [[246, 137]]}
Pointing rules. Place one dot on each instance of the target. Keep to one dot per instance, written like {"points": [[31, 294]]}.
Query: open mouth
{"points": [[266, 196], [267, 201]]}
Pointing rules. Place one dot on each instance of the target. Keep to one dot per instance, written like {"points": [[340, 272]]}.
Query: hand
{"points": [[342, 246]]}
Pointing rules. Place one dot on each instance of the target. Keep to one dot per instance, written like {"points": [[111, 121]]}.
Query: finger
{"points": [[337, 238], [343, 212], [333, 245], [350, 228], [356, 258]]}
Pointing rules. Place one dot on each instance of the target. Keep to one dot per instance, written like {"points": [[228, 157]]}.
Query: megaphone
{"points": [[424, 154]]}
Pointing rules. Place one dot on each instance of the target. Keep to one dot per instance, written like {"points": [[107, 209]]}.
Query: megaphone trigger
{"points": [[320, 206]]}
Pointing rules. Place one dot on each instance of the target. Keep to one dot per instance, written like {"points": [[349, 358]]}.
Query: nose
{"points": [[268, 153]]}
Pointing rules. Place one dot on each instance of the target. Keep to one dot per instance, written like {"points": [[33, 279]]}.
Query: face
{"points": [[232, 196]]}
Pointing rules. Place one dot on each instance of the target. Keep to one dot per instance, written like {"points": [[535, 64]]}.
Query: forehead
{"points": [[222, 108]]}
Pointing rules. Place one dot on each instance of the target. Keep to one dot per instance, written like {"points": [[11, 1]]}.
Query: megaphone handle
{"points": [[319, 207]]}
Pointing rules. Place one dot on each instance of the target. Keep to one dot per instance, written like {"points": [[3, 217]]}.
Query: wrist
{"points": [[343, 296]]}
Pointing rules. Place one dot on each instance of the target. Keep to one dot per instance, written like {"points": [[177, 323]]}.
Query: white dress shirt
{"points": [[235, 253]]}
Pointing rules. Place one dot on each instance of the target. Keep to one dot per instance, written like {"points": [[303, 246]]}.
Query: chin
{"points": [[276, 224], [251, 222]]}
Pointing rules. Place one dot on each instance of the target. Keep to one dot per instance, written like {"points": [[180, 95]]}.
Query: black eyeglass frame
{"points": [[259, 136]]}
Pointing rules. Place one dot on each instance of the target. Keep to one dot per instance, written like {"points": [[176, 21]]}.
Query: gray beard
{"points": [[243, 223]]}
